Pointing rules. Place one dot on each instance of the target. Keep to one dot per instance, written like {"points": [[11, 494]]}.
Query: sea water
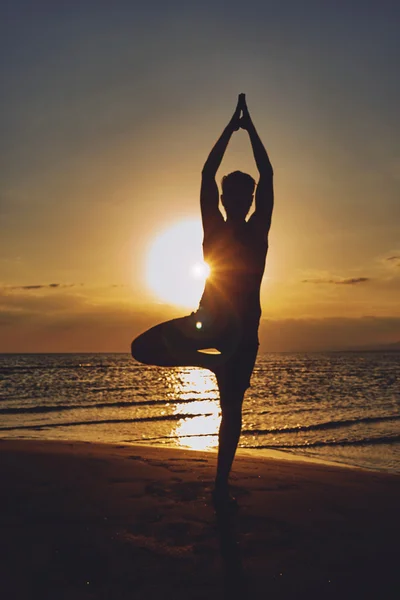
{"points": [[341, 407]]}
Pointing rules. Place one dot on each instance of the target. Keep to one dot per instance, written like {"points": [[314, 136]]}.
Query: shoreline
{"points": [[251, 453], [86, 520], [262, 453]]}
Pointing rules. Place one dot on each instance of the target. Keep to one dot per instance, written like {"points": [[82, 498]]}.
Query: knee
{"points": [[139, 350], [232, 413]]}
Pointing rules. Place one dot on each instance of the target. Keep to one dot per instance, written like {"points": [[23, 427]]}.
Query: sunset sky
{"points": [[108, 112]]}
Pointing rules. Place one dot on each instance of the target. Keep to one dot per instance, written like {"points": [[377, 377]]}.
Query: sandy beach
{"points": [[82, 520]]}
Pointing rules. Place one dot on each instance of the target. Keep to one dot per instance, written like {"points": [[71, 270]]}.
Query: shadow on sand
{"points": [[234, 578]]}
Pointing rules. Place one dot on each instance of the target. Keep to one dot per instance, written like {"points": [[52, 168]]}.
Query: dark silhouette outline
{"points": [[229, 311]]}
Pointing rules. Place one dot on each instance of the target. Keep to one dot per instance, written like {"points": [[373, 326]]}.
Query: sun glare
{"points": [[198, 432], [175, 270], [200, 270]]}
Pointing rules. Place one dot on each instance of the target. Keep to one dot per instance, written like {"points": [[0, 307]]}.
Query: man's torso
{"points": [[236, 256]]}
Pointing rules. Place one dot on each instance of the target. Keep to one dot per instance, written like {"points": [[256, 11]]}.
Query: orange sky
{"points": [[108, 117]]}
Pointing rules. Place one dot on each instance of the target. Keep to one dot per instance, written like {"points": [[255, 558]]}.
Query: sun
{"points": [[175, 269]]}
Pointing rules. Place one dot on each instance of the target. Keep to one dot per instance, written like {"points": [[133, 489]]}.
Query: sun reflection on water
{"points": [[199, 385]]}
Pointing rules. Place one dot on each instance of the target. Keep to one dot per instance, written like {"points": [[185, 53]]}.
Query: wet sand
{"points": [[93, 521]]}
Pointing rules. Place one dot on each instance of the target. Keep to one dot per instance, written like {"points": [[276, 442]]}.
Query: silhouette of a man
{"points": [[229, 311]]}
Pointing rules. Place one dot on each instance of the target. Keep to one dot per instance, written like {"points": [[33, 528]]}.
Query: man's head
{"points": [[237, 194]]}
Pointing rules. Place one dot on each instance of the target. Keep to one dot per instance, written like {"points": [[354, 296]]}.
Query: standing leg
{"points": [[233, 381], [229, 435]]}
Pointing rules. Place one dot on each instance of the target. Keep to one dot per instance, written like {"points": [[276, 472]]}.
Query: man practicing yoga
{"points": [[229, 311]]}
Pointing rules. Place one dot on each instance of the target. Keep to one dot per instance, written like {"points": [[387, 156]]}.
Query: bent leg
{"points": [[174, 343]]}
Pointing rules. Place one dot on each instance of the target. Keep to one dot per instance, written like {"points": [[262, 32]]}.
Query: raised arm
{"points": [[264, 199], [209, 196]]}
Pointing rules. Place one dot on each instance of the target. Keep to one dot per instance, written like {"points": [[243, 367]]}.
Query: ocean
{"points": [[338, 407]]}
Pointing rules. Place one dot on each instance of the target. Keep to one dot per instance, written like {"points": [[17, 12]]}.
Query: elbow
{"points": [[207, 172], [267, 171]]}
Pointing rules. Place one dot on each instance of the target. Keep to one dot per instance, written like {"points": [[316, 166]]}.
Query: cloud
{"points": [[353, 280], [394, 260], [41, 286], [23, 301], [348, 281]]}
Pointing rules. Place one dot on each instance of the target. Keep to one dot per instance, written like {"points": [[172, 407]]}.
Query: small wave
{"points": [[321, 426], [65, 407], [173, 437], [290, 410], [91, 390], [26, 368], [106, 421], [365, 441], [386, 439]]}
